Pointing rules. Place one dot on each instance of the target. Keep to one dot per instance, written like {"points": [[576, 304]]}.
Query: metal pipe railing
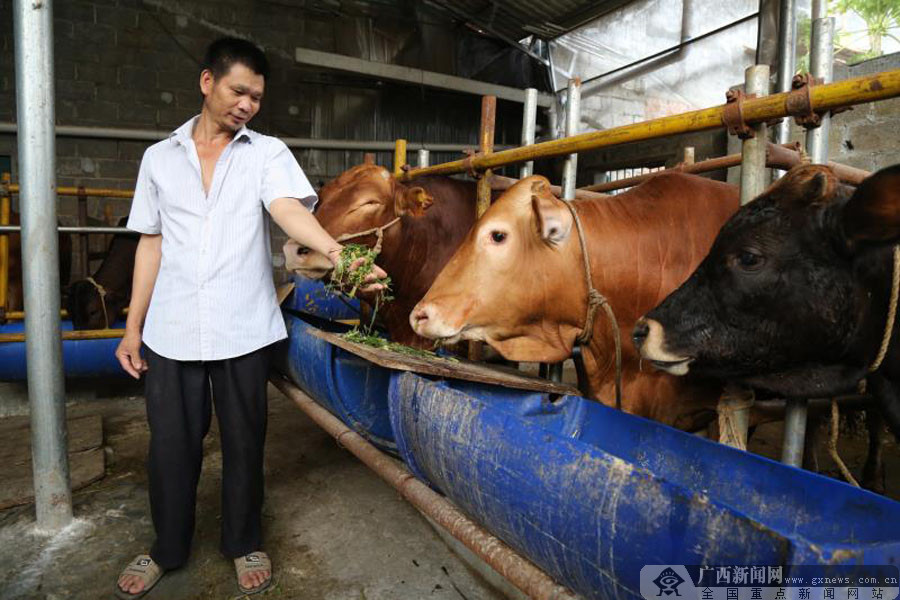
{"points": [[504, 560], [5, 213], [33, 32], [83, 191], [80, 334], [529, 123], [73, 229], [859, 90]]}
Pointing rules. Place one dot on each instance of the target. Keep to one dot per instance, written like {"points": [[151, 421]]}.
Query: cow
{"points": [[15, 300], [96, 304], [794, 295], [517, 282], [434, 213]]}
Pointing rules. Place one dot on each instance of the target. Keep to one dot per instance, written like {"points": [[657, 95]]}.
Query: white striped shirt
{"points": [[214, 296]]}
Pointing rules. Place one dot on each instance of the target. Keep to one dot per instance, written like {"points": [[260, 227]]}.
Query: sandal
{"points": [[146, 570], [251, 563]]}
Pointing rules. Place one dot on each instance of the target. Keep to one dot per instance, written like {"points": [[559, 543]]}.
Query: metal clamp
{"points": [[733, 115], [799, 101], [467, 162]]}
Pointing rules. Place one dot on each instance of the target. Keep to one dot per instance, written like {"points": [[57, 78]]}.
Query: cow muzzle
{"points": [[305, 262], [426, 320], [650, 340]]}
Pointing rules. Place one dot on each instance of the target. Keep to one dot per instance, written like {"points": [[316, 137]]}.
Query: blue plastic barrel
{"points": [[81, 358], [591, 494], [353, 389], [311, 297]]}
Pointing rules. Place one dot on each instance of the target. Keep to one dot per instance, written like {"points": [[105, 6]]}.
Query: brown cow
{"points": [[517, 282], [15, 297], [435, 215]]}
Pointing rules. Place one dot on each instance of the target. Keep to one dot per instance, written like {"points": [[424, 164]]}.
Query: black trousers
{"points": [[179, 396]]}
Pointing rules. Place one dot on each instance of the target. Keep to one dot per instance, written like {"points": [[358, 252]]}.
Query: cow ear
{"points": [[412, 201], [804, 185], [553, 219], [872, 215]]}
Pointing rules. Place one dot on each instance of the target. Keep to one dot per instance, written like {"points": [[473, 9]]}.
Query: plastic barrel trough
{"points": [[591, 494], [81, 358], [351, 388]]}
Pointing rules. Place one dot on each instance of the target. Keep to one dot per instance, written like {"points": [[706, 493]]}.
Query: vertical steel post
{"points": [[399, 156], [734, 405], [573, 117], [33, 29], [83, 239], [688, 157], [529, 121], [821, 65], [423, 157], [5, 210], [787, 36]]}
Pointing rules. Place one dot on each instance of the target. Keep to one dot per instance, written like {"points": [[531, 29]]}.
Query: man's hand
{"points": [[377, 272], [129, 354]]}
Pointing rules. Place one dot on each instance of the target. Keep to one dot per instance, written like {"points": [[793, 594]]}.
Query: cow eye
{"points": [[750, 260], [498, 237]]}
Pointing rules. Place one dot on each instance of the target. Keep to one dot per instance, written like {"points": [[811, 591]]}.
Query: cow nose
{"points": [[301, 250], [419, 316], [640, 332]]}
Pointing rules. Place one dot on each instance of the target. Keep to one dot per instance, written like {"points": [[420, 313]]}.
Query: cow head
{"points": [[782, 299], [506, 281], [85, 306], [361, 198]]}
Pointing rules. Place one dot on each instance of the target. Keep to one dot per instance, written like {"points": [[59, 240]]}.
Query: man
{"points": [[203, 306]]}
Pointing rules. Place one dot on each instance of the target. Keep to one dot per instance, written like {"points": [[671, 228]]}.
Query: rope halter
{"points": [[596, 300], [102, 292], [378, 231]]}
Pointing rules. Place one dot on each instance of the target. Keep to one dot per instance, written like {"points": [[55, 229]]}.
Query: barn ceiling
{"points": [[518, 19]]}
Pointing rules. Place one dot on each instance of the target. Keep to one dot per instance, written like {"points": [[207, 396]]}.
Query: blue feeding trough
{"points": [[81, 358], [591, 494], [352, 388], [311, 297]]}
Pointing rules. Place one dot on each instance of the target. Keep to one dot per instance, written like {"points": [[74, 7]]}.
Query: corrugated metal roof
{"points": [[518, 19]]}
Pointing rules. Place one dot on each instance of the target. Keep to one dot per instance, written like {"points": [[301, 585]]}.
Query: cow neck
{"points": [[596, 300]]}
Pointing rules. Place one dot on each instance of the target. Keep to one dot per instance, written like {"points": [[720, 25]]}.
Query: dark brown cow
{"points": [[517, 282], [87, 308], [435, 215], [15, 297]]}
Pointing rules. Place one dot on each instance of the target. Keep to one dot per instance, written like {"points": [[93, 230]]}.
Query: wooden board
{"points": [[440, 367], [87, 461]]}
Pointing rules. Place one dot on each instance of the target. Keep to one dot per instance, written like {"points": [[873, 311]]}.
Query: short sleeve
{"points": [[144, 215], [283, 178]]}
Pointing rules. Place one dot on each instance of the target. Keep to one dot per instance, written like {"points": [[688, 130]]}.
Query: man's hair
{"points": [[225, 52]]}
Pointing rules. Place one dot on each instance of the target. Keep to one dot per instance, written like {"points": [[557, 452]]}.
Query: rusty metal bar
{"points": [[399, 157], [520, 572], [483, 200], [778, 156], [81, 334], [76, 191], [5, 213], [500, 183], [858, 90]]}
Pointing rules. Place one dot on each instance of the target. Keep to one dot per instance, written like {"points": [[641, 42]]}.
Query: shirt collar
{"points": [[183, 133]]}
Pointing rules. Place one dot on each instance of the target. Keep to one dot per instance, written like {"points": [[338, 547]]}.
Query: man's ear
{"points": [[872, 215], [552, 218], [412, 201]]}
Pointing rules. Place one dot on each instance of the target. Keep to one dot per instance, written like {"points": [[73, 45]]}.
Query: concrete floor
{"points": [[334, 530]]}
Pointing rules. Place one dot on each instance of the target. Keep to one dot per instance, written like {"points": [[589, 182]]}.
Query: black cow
{"points": [[794, 295], [83, 298]]}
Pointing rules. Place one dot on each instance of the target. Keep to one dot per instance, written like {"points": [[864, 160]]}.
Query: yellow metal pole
{"points": [[86, 334], [399, 157], [4, 242], [19, 315], [849, 92]]}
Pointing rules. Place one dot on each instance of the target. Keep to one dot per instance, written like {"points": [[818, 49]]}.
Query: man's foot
{"points": [[138, 577], [254, 572]]}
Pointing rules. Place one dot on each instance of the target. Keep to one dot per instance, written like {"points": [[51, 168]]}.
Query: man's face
{"points": [[234, 98]]}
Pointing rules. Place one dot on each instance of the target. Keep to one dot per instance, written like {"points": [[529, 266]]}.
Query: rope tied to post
{"points": [[102, 293], [596, 300]]}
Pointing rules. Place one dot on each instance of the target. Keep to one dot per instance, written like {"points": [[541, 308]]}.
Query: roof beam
{"points": [[379, 70]]}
